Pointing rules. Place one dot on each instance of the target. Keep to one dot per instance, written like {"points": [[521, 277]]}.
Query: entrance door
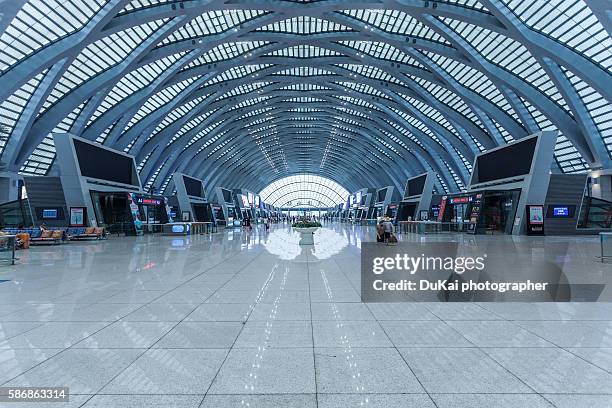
{"points": [[459, 215]]}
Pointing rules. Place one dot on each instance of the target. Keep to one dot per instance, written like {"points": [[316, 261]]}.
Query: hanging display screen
{"points": [[103, 164], [193, 186], [382, 193], [415, 186], [227, 195], [510, 161]]}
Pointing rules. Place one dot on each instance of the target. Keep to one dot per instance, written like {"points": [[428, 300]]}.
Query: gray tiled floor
{"points": [[257, 321]]}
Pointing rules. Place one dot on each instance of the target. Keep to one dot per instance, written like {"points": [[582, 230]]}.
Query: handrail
{"points": [[595, 213]]}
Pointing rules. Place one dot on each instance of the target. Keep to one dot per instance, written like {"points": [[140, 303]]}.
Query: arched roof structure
{"points": [[364, 92], [304, 190]]}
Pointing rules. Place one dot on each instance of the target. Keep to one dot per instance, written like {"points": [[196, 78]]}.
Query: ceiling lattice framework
{"points": [[364, 92]]}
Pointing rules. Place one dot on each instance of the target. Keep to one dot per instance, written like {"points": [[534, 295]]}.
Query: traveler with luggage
{"points": [[388, 231]]}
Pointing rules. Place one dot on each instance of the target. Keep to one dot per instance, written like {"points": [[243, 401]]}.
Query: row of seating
{"points": [[58, 235]]}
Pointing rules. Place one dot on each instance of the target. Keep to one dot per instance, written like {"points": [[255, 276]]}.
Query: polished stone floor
{"points": [[242, 319]]}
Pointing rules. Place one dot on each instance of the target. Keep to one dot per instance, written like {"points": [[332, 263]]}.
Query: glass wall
{"points": [[304, 191]]}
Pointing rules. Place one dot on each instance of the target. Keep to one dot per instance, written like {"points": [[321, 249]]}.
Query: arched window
{"points": [[304, 190]]}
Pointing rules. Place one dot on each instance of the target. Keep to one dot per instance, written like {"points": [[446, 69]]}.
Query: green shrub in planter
{"points": [[307, 224]]}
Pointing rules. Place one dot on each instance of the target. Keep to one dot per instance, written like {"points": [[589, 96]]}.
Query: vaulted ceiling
{"points": [[367, 93]]}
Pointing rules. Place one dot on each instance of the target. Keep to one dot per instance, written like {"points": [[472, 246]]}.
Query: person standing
{"points": [[388, 229], [380, 232]]}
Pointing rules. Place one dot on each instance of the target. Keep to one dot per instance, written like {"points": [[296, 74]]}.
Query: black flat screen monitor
{"points": [[382, 193], [227, 195], [99, 163], [513, 160], [415, 186], [193, 186]]}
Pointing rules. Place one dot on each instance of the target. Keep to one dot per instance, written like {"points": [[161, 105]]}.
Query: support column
{"points": [[9, 182]]}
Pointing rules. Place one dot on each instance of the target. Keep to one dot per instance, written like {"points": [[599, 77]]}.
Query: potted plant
{"points": [[306, 230]]}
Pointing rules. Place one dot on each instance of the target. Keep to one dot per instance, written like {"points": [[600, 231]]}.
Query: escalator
{"points": [[15, 214], [595, 213]]}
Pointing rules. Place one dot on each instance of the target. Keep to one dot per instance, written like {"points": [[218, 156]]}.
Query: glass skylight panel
{"points": [[570, 22], [12, 107], [210, 141], [453, 101], [567, 156], [456, 178], [134, 81], [191, 124], [442, 183], [353, 112], [369, 71], [364, 88], [395, 139], [140, 4], [475, 81], [466, 3], [303, 51], [43, 156], [349, 121], [304, 99], [505, 134], [237, 72], [420, 126], [256, 112], [212, 22], [303, 109], [303, 188], [251, 102], [433, 114], [206, 133], [383, 51], [598, 107], [226, 51], [509, 55], [144, 161], [219, 147], [177, 114], [154, 176], [396, 22], [304, 87], [304, 72], [100, 56], [104, 135], [158, 100], [304, 25], [40, 22], [261, 120], [243, 89]]}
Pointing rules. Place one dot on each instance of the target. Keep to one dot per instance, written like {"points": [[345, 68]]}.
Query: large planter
{"points": [[307, 235]]}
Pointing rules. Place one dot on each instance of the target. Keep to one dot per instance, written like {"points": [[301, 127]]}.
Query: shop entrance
{"points": [[498, 211], [112, 211], [406, 211], [202, 212], [460, 215]]}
